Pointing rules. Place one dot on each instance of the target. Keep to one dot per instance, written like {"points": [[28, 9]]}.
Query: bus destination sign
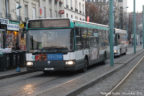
{"points": [[49, 23]]}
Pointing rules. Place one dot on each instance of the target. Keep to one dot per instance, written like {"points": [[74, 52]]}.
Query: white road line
{"points": [[123, 80]]}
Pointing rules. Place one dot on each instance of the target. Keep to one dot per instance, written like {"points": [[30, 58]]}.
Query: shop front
{"points": [[13, 41], [11, 55], [3, 55]]}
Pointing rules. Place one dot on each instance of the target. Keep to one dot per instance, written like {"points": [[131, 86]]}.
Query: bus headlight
{"points": [[29, 64], [70, 63], [115, 51]]}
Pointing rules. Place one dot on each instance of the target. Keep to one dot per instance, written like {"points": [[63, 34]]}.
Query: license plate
{"points": [[48, 69]]}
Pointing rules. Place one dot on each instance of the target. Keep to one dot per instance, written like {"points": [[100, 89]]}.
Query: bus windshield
{"points": [[52, 39]]}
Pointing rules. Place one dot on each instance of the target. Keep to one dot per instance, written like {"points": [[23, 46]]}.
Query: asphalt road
{"points": [[35, 83]]}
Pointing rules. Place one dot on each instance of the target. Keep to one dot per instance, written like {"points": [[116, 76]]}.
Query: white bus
{"points": [[65, 44], [120, 42]]}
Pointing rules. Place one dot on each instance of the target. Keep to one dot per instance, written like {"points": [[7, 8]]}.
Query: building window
{"points": [[26, 10], [50, 1], [51, 13], [44, 12], [83, 9], [67, 15], [72, 16], [120, 0], [75, 3], [56, 2], [8, 8], [80, 7], [56, 13], [17, 10], [66, 2], [33, 13], [71, 4]]}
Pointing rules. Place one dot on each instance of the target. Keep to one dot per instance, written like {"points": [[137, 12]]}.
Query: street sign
{"points": [[21, 26], [13, 27], [4, 21]]}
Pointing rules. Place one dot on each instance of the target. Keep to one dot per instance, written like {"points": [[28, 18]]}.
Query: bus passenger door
{"points": [[94, 47]]}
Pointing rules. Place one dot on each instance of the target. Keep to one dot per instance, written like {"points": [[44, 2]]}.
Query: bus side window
{"points": [[90, 38], [78, 39], [84, 38], [96, 37]]}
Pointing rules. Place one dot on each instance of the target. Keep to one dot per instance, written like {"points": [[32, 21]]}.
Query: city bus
{"points": [[121, 42], [65, 44]]}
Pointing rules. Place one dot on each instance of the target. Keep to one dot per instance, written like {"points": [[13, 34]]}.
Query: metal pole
{"points": [[143, 27], [6, 4], [134, 26], [111, 31]]}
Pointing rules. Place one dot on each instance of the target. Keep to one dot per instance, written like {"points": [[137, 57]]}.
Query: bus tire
{"points": [[125, 51], [120, 51], [105, 57], [85, 67]]}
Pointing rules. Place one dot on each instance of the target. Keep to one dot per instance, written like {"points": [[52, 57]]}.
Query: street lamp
{"points": [[111, 31]]}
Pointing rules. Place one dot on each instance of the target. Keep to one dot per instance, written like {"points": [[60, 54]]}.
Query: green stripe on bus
{"points": [[48, 28], [90, 26]]}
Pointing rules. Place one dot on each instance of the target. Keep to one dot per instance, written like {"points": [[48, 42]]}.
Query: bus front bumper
{"points": [[52, 66]]}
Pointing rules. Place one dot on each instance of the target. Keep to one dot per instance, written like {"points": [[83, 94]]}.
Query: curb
{"points": [[89, 84], [15, 74]]}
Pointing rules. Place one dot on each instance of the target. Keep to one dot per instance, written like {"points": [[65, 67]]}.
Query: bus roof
{"points": [[91, 25]]}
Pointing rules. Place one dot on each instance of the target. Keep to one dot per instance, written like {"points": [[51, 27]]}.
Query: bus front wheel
{"points": [[85, 67]]}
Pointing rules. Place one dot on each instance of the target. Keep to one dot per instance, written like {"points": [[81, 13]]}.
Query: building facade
{"points": [[74, 9], [22, 10], [51, 8]]}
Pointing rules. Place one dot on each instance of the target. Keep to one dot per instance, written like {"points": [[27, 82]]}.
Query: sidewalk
{"points": [[11, 73]]}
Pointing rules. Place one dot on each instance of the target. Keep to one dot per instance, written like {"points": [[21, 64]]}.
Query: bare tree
{"points": [[97, 13]]}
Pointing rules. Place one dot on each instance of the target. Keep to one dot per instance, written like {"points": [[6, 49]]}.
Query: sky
{"points": [[139, 4]]}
